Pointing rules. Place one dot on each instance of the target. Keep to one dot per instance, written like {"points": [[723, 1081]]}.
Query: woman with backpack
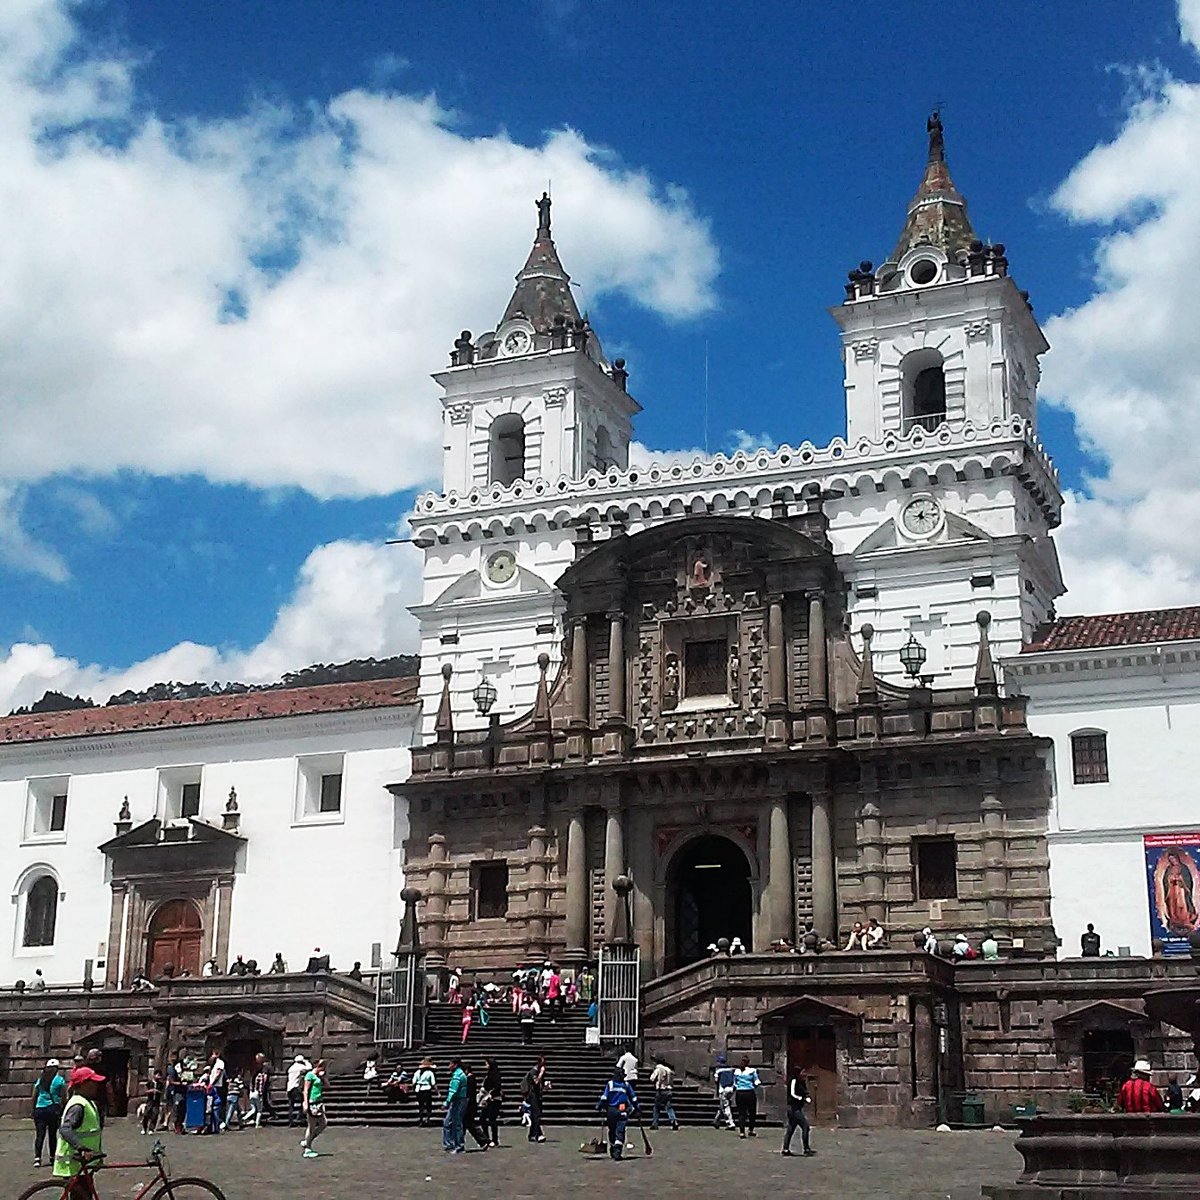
{"points": [[49, 1096]]}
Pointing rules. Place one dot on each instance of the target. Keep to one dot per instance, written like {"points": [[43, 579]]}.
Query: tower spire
{"points": [[543, 291], [937, 214]]}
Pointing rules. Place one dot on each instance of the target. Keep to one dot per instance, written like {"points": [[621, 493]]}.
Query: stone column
{"points": [[824, 878], [614, 861], [871, 844], [537, 932], [579, 670], [995, 874], [779, 880], [818, 687], [924, 1050], [776, 653], [435, 907], [577, 889], [112, 950], [616, 666]]}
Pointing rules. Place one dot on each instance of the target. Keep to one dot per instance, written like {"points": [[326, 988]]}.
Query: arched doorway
{"points": [[710, 898], [174, 938]]}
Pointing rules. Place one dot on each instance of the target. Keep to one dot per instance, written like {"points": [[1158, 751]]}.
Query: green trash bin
{"points": [[972, 1111]]}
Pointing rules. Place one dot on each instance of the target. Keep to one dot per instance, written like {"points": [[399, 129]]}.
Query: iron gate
{"points": [[400, 1004], [618, 993]]}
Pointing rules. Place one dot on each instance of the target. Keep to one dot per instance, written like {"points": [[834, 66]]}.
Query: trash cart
{"points": [[972, 1111], [193, 1116]]}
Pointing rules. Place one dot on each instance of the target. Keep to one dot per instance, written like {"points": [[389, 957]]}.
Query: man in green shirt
{"points": [[314, 1107], [453, 1124]]}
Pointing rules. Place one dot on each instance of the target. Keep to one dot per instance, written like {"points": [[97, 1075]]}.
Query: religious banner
{"points": [[1173, 887]]}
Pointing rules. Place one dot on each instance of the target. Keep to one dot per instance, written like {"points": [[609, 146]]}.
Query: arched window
{"points": [[41, 912], [604, 450], [924, 381], [507, 450]]}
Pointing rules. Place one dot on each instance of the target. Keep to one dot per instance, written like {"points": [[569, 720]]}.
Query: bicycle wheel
{"points": [[187, 1189], [47, 1189]]}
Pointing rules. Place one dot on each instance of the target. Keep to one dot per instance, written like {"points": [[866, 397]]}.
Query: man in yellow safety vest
{"points": [[79, 1132]]}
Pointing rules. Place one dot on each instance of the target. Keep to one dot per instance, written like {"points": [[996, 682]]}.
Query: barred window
{"points": [[706, 668], [1089, 757], [935, 868], [491, 889], [41, 912]]}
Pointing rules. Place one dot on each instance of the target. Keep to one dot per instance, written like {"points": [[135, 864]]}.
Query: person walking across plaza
{"points": [[49, 1096], [491, 1100], [745, 1097], [456, 1108], [723, 1080], [80, 1132], [618, 1102], [663, 1080], [472, 1114], [295, 1088], [314, 1107], [1137, 1093], [424, 1085], [797, 1098], [153, 1102], [533, 1090]]}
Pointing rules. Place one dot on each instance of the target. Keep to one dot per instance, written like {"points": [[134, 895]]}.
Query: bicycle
{"points": [[83, 1185]]}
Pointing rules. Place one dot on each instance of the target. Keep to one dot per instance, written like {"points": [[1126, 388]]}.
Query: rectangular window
{"points": [[935, 868], [189, 800], [491, 889], [58, 813], [706, 668], [331, 793], [46, 809], [1089, 757]]}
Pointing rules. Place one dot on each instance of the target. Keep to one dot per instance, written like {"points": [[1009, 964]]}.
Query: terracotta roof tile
{"points": [[1117, 629], [209, 710]]}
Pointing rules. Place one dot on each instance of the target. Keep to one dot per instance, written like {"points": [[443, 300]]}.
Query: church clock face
{"points": [[921, 516], [516, 342], [501, 566]]}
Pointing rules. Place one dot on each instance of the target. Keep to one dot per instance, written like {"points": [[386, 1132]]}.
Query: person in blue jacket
{"points": [[618, 1102]]}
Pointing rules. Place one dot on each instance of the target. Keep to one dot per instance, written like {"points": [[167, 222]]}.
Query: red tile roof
{"points": [[1117, 629], [209, 710]]}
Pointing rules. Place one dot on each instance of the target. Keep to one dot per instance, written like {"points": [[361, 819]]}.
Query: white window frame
{"points": [[39, 804], [20, 900], [310, 770], [171, 781]]}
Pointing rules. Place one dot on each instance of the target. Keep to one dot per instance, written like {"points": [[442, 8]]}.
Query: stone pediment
{"points": [[1100, 1014], [814, 1011], [887, 537], [242, 1020], [469, 587], [158, 835], [104, 1032]]}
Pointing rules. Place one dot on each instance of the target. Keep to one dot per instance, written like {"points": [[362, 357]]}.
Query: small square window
{"points": [[935, 868], [1089, 757], [490, 890], [706, 668], [331, 794], [189, 800], [58, 813]]}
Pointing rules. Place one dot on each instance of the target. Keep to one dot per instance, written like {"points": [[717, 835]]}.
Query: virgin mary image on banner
{"points": [[1173, 876]]}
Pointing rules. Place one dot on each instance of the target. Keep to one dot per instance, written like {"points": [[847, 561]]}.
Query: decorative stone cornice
{"points": [[865, 348]]}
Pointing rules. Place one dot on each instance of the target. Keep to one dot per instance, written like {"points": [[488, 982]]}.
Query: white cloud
{"points": [[17, 548], [1123, 362], [350, 601], [396, 229]]}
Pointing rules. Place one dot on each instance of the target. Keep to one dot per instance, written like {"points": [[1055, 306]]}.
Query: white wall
{"points": [[333, 883], [1149, 710]]}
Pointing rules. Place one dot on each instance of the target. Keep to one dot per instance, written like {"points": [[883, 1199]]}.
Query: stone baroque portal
{"points": [[714, 734]]}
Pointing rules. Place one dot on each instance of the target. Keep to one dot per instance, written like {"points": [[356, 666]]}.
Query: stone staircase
{"points": [[576, 1071]]}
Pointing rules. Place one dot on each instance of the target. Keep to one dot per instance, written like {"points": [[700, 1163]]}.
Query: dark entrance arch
{"points": [[174, 938], [710, 898]]}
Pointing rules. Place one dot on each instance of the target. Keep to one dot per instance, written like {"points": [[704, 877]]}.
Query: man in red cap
{"points": [[79, 1132]]}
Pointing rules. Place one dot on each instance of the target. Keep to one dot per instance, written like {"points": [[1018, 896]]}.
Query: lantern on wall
{"points": [[484, 696], [913, 656]]}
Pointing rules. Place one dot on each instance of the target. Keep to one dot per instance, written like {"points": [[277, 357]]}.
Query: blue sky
{"points": [[763, 150]]}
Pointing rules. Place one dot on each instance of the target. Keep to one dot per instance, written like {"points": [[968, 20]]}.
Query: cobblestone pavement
{"points": [[265, 1164]]}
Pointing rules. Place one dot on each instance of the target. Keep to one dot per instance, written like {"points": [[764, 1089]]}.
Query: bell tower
{"points": [[535, 398], [939, 333]]}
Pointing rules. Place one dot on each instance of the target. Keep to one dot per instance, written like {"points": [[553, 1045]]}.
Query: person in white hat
{"points": [[1138, 1094], [295, 1088], [49, 1096]]}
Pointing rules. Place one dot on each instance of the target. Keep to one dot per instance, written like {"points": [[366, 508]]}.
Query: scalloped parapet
{"points": [[788, 466]]}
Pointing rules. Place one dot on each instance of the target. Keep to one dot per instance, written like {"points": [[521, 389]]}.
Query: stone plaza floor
{"points": [[265, 1164]]}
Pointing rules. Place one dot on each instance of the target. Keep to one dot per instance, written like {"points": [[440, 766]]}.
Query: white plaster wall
{"points": [[1101, 880], [335, 884]]}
